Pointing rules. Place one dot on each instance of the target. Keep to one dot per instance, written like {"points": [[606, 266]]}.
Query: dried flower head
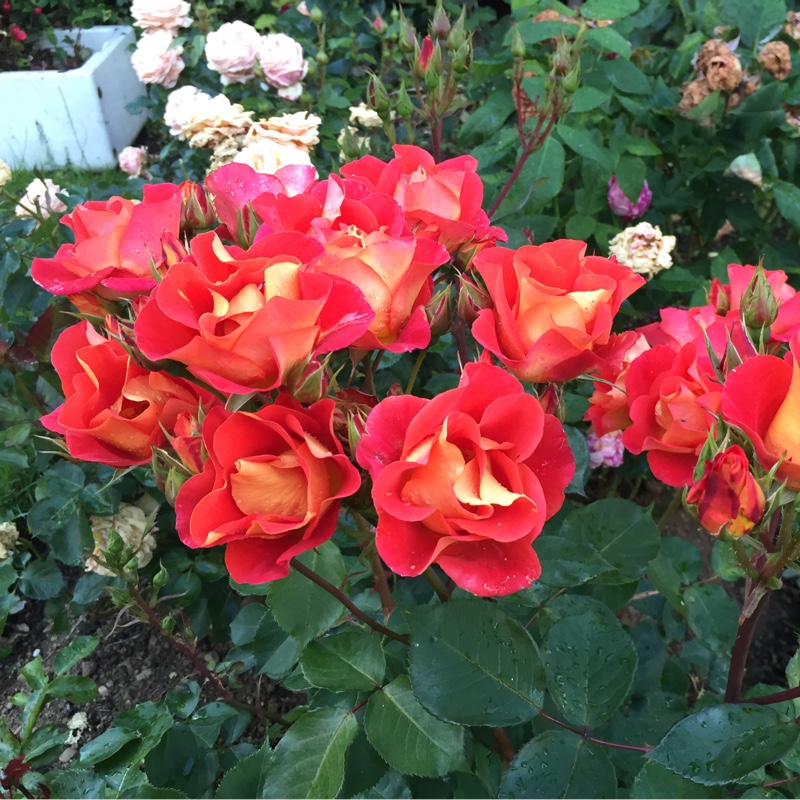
{"points": [[643, 248], [133, 526], [776, 59], [8, 538]]}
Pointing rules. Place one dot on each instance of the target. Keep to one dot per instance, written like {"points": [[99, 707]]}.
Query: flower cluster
{"points": [[709, 394], [260, 289], [236, 50]]}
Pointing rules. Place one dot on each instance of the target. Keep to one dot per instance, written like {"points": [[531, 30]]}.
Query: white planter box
{"points": [[76, 117]]}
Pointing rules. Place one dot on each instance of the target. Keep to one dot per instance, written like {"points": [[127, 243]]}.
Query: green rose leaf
{"points": [[69, 655], [590, 663], [654, 781], [408, 738], [712, 616], [302, 608], [559, 764], [246, 779], [472, 664], [722, 744], [351, 659], [609, 9], [309, 760]]}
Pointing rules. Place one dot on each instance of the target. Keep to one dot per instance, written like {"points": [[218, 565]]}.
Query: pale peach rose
{"points": [[156, 60], [132, 160], [41, 198], [302, 8], [643, 248], [5, 173], [168, 15], [298, 129], [232, 51], [283, 64], [366, 117], [213, 119], [268, 156], [181, 105]]}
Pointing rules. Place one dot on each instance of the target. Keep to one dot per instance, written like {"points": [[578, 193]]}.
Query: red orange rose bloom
{"points": [[270, 487], [727, 494], [466, 480]]}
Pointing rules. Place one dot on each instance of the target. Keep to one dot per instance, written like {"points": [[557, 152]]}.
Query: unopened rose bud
{"points": [[572, 79], [433, 75], [462, 58], [378, 97], [727, 495], [719, 297], [549, 400], [172, 485], [404, 107], [315, 15], [441, 22], [378, 25], [197, 210], [517, 44], [309, 385], [408, 36], [160, 578], [439, 312], [321, 57], [472, 299], [458, 33], [425, 55], [759, 306], [623, 206]]}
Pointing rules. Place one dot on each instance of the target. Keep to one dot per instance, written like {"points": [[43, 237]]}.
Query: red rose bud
{"points": [[439, 312], [378, 25], [309, 385], [197, 211], [727, 495], [378, 97], [37, 10], [424, 58], [719, 297], [759, 306], [441, 22], [472, 299], [550, 400], [18, 33], [6, 6], [187, 441]]}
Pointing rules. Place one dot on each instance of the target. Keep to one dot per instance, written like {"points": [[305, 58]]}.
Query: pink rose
{"points": [[132, 160], [232, 51], [167, 15], [622, 206], [283, 64], [156, 60]]}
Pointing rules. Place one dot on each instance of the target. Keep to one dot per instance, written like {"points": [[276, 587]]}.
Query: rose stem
{"points": [[741, 648], [346, 601]]}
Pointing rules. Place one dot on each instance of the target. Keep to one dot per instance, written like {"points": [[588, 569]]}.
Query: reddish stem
{"points": [[505, 749], [585, 736], [741, 648]]}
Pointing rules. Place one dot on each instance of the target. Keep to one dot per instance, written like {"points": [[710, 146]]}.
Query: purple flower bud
{"points": [[619, 203]]}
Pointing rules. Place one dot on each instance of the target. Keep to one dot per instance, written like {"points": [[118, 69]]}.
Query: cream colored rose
{"points": [[232, 51], [181, 105], [134, 527], [156, 60], [299, 129], [213, 119], [268, 156], [643, 248], [167, 15], [5, 173], [41, 199], [8, 538], [283, 64], [132, 160], [365, 117]]}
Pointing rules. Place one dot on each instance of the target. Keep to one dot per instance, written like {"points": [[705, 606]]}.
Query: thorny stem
{"points": [[375, 563], [584, 734], [200, 666], [532, 143], [741, 647], [346, 601]]}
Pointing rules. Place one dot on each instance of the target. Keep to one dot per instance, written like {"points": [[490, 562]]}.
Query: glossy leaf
{"points": [[350, 659]]}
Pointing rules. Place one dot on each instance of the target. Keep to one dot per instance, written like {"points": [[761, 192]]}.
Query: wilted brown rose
{"points": [[744, 90], [792, 26], [793, 115], [549, 15], [724, 72], [711, 49], [776, 59], [694, 93]]}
